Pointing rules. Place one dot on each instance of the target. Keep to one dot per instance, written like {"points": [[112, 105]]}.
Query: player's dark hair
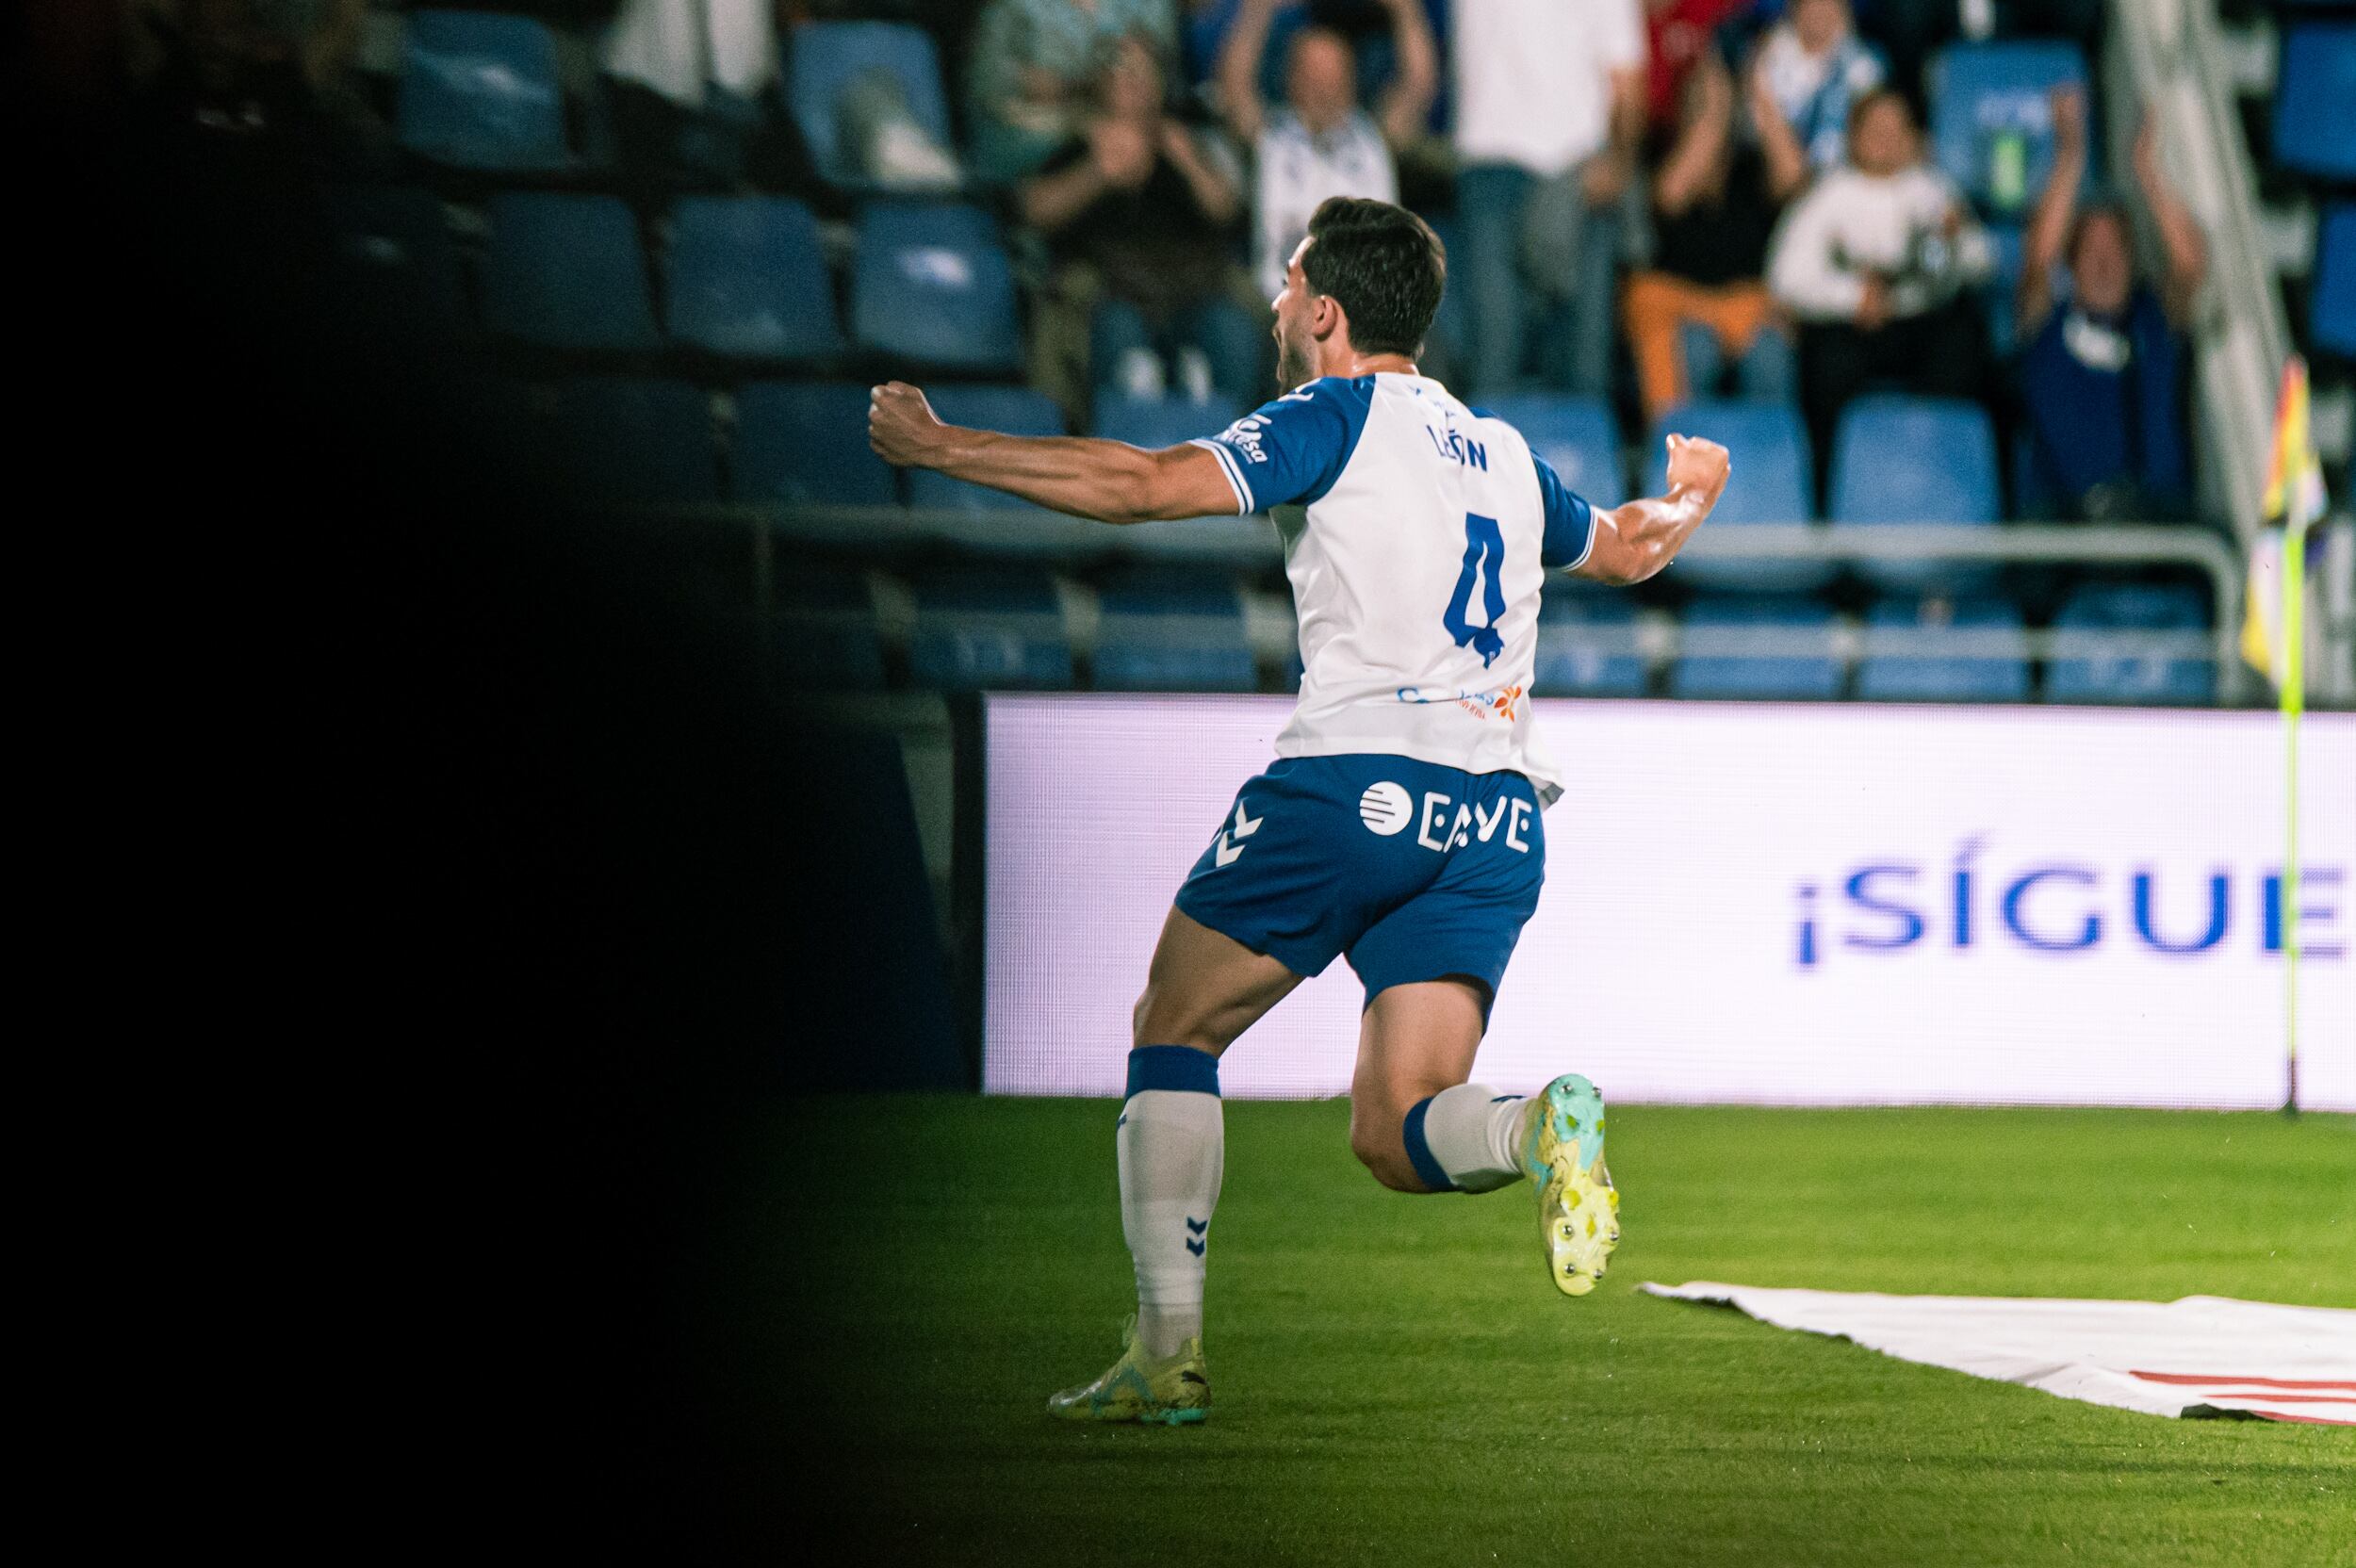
{"points": [[1385, 267]]}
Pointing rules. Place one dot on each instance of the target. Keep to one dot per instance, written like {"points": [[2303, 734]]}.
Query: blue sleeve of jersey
{"points": [[1291, 450], [1570, 521]]}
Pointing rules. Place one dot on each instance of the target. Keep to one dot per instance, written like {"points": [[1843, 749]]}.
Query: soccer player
{"points": [[1400, 824]]}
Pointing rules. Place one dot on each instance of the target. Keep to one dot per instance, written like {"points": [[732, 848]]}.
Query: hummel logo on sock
{"points": [[1197, 1228]]}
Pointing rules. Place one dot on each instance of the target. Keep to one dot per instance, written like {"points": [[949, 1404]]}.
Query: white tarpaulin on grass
{"points": [[2203, 1355]]}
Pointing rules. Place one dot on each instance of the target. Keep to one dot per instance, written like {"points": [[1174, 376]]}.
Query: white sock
{"points": [[1173, 1149], [1468, 1137]]}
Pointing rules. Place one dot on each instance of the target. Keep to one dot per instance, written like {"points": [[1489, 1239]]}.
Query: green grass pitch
{"points": [[1394, 1381]]}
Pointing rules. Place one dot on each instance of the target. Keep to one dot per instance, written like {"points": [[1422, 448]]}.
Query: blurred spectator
{"points": [[1872, 261], [1141, 217], [687, 77], [1812, 67], [1549, 110], [676, 48], [1677, 35], [1703, 307], [1318, 142], [1033, 62], [2102, 378]]}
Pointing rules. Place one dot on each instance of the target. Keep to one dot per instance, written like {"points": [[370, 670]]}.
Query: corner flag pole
{"points": [[2294, 494], [2294, 704]]}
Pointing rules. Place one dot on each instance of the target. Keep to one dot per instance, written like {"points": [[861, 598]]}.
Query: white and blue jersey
{"points": [[1417, 532], [1400, 823]]}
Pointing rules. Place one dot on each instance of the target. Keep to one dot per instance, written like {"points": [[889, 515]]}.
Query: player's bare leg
{"points": [[1414, 1042], [1420, 1127], [1202, 990]]}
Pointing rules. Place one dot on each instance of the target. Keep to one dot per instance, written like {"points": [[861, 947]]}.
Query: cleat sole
{"points": [[1578, 1206]]}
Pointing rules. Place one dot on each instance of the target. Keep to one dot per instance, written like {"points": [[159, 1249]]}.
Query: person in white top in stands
{"points": [[1549, 110], [1873, 262], [1318, 142]]}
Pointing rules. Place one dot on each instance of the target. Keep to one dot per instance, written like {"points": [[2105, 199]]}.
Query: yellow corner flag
{"points": [[2295, 500], [2273, 640]]}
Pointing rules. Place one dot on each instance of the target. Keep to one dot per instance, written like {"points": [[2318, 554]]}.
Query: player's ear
{"points": [[1326, 317]]}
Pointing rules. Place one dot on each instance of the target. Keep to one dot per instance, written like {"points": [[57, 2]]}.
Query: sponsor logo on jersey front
{"points": [[1385, 808]]}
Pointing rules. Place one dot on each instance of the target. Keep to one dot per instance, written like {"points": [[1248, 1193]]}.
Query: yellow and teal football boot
{"points": [[1167, 1391], [1578, 1210]]}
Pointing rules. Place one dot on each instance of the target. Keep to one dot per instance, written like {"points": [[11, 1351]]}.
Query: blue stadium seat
{"points": [[748, 280], [1014, 410], [1172, 631], [1575, 435], [393, 250], [1155, 422], [1768, 448], [933, 285], [2175, 667], [827, 54], [625, 439], [1760, 649], [1915, 652], [1587, 642], [2333, 323], [479, 92], [1901, 460], [987, 628], [803, 441], [1984, 95], [824, 632], [567, 272], [2315, 125]]}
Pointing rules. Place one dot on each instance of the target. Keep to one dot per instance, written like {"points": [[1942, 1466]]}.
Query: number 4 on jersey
{"points": [[1484, 557]]}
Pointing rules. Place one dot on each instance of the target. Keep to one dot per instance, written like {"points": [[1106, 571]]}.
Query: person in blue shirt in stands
{"points": [[2102, 378]]}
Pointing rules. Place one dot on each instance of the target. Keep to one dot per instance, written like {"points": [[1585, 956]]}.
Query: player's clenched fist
{"points": [[1698, 465], [901, 425]]}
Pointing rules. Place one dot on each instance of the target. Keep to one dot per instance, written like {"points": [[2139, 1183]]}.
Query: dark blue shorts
{"points": [[1414, 871]]}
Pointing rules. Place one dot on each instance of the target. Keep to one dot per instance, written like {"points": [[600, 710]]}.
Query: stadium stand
{"points": [[1587, 644], [1977, 652], [1161, 630], [933, 287], [480, 92], [566, 271], [628, 439], [746, 279], [739, 279], [824, 632], [827, 56], [2169, 671], [394, 251], [1160, 421], [1575, 435], [1768, 446], [807, 442], [987, 626], [1991, 120], [1902, 460], [2312, 99], [1755, 648]]}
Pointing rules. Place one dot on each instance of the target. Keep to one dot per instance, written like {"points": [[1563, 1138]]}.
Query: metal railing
{"points": [[877, 535]]}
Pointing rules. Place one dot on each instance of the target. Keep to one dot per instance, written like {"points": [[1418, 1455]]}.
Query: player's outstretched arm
{"points": [[1635, 541], [1110, 480]]}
